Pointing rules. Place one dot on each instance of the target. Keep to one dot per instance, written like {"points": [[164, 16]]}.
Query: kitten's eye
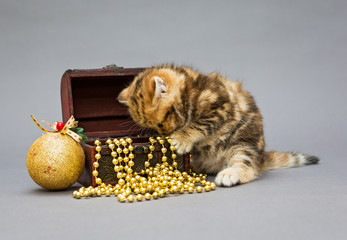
{"points": [[160, 125]]}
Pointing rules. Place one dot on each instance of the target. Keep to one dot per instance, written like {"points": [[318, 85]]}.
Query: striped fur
{"points": [[213, 118]]}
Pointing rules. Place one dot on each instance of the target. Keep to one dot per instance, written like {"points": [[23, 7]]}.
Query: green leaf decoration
{"points": [[79, 131]]}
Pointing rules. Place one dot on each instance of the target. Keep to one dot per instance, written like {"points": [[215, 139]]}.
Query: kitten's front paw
{"points": [[181, 145], [227, 177]]}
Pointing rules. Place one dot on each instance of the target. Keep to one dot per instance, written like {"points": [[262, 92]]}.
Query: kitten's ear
{"points": [[123, 97], [160, 87]]}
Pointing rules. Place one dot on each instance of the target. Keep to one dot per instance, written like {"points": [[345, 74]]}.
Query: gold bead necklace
{"points": [[153, 182]]}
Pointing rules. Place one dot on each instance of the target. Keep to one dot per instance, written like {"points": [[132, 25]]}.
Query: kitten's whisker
{"points": [[142, 131], [132, 127], [126, 123]]}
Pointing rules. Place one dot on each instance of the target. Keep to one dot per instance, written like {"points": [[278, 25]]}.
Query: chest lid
{"points": [[90, 95]]}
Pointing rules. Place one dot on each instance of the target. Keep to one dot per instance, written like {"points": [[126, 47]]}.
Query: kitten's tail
{"points": [[275, 160]]}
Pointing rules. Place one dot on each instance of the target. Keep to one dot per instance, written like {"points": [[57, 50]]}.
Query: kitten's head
{"points": [[153, 99]]}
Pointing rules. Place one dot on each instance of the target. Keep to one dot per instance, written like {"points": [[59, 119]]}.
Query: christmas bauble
{"points": [[55, 161]]}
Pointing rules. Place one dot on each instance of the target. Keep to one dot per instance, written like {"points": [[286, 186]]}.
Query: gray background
{"points": [[291, 55]]}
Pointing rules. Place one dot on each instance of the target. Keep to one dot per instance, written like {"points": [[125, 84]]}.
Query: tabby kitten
{"points": [[214, 119]]}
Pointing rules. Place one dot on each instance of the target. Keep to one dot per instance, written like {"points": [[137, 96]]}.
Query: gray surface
{"points": [[291, 55]]}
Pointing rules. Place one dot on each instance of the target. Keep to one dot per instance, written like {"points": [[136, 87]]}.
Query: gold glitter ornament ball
{"points": [[55, 161]]}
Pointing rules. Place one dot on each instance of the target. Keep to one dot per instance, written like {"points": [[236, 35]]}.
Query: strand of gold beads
{"points": [[101, 189], [160, 180]]}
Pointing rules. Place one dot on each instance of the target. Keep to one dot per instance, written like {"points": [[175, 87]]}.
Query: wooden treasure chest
{"points": [[90, 96]]}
